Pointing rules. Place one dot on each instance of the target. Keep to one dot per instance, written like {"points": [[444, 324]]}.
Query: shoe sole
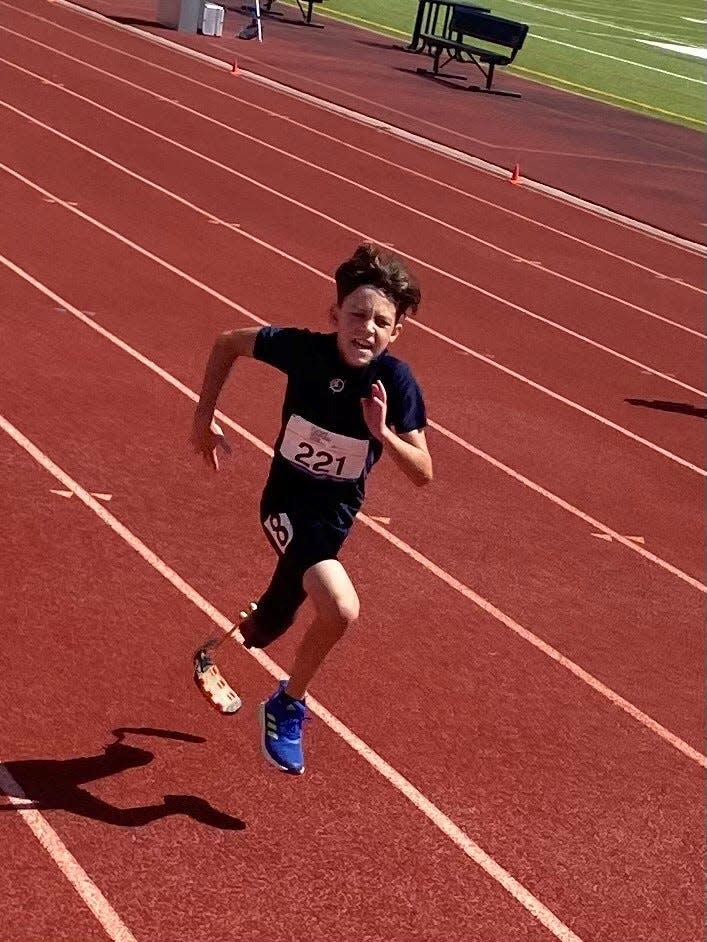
{"points": [[266, 754]]}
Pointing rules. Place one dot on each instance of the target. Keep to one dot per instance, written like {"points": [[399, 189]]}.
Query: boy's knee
{"points": [[341, 613], [333, 595], [261, 629]]}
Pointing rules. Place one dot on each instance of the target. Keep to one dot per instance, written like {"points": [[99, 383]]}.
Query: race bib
{"points": [[323, 453]]}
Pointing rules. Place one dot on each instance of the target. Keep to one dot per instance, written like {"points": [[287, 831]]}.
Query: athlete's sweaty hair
{"points": [[376, 267]]}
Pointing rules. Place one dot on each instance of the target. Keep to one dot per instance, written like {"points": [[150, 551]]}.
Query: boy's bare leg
{"points": [[282, 716], [328, 586]]}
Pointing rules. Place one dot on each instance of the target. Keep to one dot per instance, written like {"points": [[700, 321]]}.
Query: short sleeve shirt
{"points": [[324, 450]]}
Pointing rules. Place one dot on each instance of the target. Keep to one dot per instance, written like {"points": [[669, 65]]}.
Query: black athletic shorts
{"points": [[301, 538]]}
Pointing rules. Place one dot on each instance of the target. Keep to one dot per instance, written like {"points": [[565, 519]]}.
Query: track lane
{"points": [[234, 825], [479, 536], [507, 421], [566, 216], [578, 726], [29, 879], [486, 265], [554, 343]]}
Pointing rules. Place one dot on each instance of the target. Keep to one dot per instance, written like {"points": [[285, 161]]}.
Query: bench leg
{"points": [[489, 75], [307, 15], [417, 29], [437, 69], [489, 82], [435, 64], [310, 9]]}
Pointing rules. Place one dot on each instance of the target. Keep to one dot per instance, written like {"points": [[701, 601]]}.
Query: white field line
{"points": [[632, 30], [606, 55]]}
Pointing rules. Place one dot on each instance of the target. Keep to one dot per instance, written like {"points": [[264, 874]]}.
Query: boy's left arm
{"points": [[407, 449]]}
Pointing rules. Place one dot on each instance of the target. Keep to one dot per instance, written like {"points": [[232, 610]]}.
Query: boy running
{"points": [[346, 401]]}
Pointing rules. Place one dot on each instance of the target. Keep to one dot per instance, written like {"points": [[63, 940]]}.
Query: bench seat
{"points": [[462, 38]]}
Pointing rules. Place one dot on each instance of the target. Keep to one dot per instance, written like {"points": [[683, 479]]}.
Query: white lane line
{"points": [[616, 699], [434, 181], [459, 837], [415, 323], [565, 401], [94, 900], [310, 209], [452, 436], [606, 531]]}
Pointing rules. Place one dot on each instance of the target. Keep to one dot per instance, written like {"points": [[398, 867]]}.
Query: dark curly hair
{"points": [[379, 268]]}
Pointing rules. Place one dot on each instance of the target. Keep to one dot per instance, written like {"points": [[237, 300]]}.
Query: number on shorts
{"points": [[280, 529]]}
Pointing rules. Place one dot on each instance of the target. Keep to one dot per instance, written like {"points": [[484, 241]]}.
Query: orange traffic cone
{"points": [[515, 176]]}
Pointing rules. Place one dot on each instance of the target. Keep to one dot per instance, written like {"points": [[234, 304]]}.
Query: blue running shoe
{"points": [[281, 721]]}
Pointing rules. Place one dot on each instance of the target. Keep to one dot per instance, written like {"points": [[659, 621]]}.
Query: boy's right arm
{"points": [[206, 437]]}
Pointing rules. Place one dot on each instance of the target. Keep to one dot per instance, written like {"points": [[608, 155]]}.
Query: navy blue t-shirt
{"points": [[324, 450]]}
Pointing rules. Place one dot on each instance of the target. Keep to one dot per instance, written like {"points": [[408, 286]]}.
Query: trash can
{"points": [[184, 15], [168, 13], [190, 15]]}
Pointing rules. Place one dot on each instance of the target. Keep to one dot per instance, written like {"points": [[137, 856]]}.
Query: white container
{"points": [[212, 19]]}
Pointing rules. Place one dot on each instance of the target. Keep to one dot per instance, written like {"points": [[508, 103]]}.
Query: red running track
{"points": [[644, 168], [593, 813]]}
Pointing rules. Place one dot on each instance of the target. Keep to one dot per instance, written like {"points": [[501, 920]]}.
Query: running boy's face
{"points": [[365, 325]]}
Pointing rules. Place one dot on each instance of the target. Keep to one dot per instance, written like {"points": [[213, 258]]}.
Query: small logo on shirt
{"points": [[336, 385], [319, 436]]}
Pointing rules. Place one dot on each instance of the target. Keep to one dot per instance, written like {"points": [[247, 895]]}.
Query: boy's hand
{"points": [[207, 437], [375, 409]]}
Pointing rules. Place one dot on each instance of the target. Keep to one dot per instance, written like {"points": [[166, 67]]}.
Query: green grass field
{"points": [[598, 48]]}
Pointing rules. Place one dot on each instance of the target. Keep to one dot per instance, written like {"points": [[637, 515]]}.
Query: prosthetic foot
{"points": [[209, 679]]}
